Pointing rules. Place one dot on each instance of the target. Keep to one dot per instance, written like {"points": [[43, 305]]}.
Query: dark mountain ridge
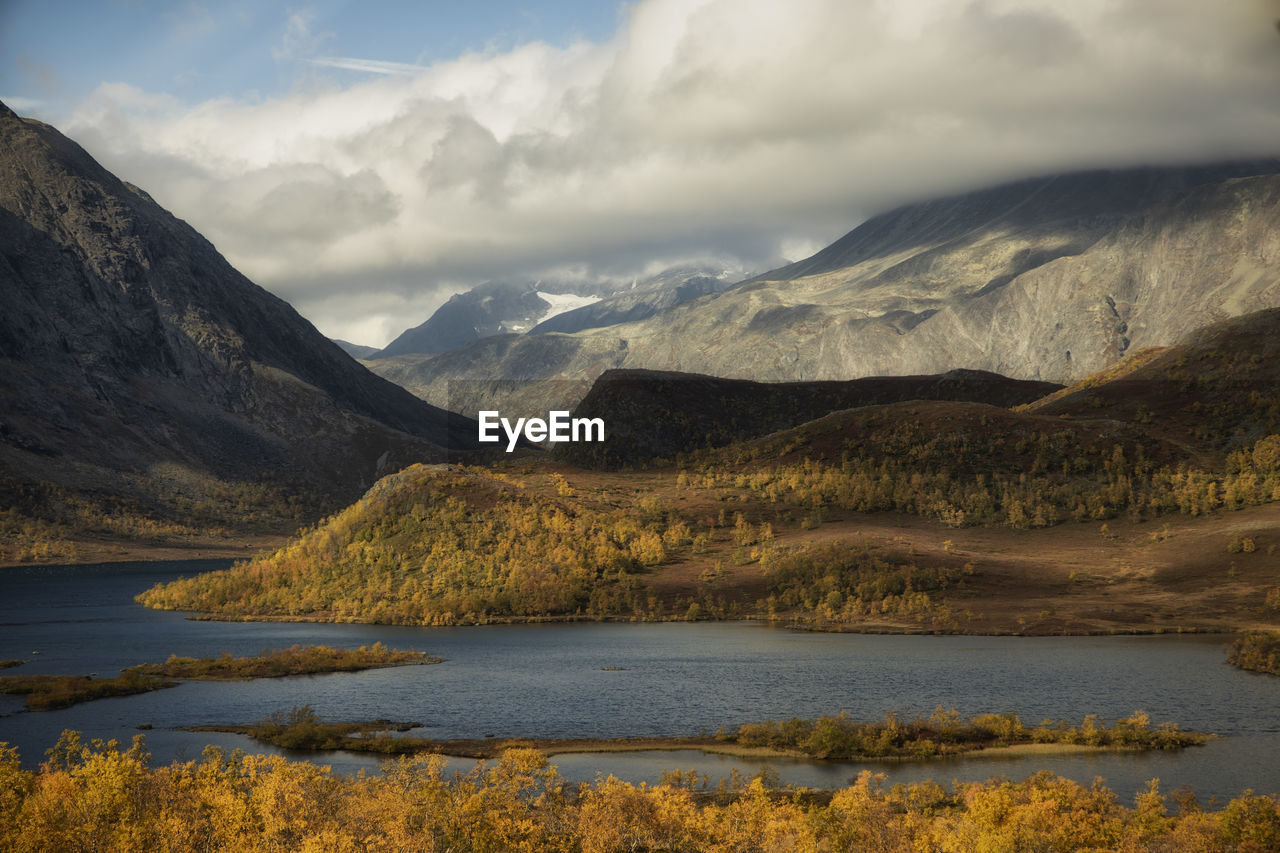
{"points": [[1215, 391], [651, 415], [135, 361], [1209, 402]]}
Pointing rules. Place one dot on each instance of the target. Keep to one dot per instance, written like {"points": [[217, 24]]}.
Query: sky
{"points": [[364, 160]]}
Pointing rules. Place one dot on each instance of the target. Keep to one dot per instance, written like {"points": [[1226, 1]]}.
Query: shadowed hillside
{"points": [[1216, 391], [651, 415], [149, 388], [1189, 428]]}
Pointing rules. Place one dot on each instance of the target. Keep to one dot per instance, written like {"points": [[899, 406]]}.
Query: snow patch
{"points": [[562, 302]]}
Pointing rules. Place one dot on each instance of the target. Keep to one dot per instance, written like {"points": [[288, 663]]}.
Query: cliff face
{"points": [[128, 345], [1048, 279]]}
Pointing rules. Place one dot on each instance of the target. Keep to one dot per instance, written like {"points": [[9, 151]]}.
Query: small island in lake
{"points": [[1257, 651], [838, 737], [49, 692]]}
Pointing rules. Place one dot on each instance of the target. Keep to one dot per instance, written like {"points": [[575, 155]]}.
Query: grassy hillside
{"points": [[170, 506], [439, 545], [964, 464], [450, 545]]}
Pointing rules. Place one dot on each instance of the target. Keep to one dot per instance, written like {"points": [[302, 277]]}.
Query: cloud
{"points": [[739, 129], [20, 104], [371, 66], [298, 42]]}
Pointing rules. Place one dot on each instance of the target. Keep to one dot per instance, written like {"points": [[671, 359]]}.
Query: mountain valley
{"points": [[157, 396], [666, 425]]}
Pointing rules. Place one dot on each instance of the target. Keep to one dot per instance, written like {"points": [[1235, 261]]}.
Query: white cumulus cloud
{"points": [[741, 129]]}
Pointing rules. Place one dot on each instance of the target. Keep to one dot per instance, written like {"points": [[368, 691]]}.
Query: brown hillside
{"points": [[1216, 391], [651, 415]]}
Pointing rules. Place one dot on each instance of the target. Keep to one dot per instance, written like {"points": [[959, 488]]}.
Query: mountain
{"points": [[493, 308], [651, 415], [355, 350], [1049, 279], [642, 300], [472, 376], [537, 307], [521, 375], [143, 376]]}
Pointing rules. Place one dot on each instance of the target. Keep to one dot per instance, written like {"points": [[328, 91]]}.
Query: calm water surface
{"points": [[671, 679]]}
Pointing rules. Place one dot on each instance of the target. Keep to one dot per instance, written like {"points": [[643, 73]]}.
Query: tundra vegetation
{"points": [[50, 692], [741, 532], [46, 522], [964, 471], [829, 737], [439, 547], [99, 796], [945, 733], [1258, 651]]}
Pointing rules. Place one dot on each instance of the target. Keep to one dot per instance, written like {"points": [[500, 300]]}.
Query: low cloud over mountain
{"points": [[752, 132]]}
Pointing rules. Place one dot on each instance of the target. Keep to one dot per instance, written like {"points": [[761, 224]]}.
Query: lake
{"points": [[612, 680]]}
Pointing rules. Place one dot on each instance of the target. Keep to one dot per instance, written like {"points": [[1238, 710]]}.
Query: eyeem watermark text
{"points": [[557, 427]]}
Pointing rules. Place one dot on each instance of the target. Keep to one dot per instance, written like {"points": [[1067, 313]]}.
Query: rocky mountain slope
{"points": [[642, 300], [493, 308], [141, 374], [537, 307], [522, 375], [1049, 279]]}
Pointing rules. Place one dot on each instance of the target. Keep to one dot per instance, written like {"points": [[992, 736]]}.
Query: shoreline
{"points": [[109, 553], [491, 748], [48, 692], [1010, 750], [92, 552], [873, 629]]}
